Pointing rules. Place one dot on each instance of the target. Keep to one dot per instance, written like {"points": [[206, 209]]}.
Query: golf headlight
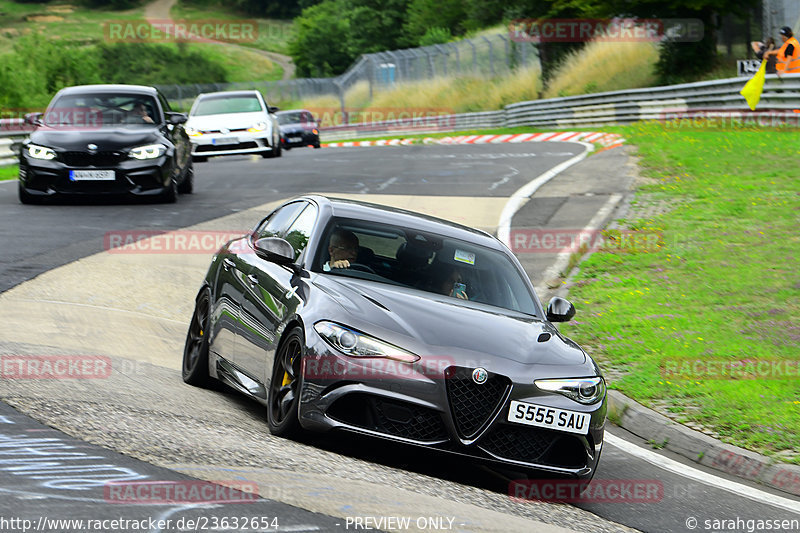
{"points": [[355, 344], [193, 132], [582, 390], [260, 126], [40, 152], [151, 151]]}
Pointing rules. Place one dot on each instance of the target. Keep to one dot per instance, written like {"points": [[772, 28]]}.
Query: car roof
{"points": [[107, 88], [228, 93], [355, 209]]}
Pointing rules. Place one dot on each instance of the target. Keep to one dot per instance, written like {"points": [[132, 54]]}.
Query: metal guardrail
{"points": [[12, 132], [602, 109], [618, 107]]}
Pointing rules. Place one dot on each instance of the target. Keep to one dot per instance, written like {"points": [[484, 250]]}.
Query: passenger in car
{"points": [[447, 280]]}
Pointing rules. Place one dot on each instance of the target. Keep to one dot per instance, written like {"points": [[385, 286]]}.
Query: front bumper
{"points": [[398, 402], [49, 178], [299, 138], [234, 143]]}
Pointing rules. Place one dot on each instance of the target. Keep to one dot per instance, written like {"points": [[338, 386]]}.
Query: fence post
{"points": [[508, 54], [474, 56], [491, 55]]}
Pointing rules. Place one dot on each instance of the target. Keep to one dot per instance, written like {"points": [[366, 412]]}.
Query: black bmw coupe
{"points": [[341, 315], [106, 139]]}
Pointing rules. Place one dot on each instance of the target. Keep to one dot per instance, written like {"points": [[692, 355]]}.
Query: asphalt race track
{"points": [[64, 294]]}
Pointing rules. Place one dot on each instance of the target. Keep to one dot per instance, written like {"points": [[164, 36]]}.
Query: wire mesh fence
{"points": [[486, 56]]}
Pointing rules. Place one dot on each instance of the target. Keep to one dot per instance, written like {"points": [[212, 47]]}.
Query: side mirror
{"points": [[175, 118], [560, 310], [275, 249], [273, 109], [34, 119]]}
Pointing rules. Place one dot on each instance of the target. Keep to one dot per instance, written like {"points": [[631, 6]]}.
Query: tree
{"points": [[319, 46]]}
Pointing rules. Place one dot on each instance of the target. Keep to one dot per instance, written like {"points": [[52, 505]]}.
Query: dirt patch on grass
{"points": [[64, 8], [44, 18]]}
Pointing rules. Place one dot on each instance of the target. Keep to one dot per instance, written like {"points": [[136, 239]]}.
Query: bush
{"points": [[38, 68]]}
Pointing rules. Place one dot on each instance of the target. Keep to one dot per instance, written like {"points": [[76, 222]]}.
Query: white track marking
{"points": [[688, 472]]}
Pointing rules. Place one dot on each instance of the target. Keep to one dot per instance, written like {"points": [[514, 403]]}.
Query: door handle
{"points": [[228, 264], [253, 280]]}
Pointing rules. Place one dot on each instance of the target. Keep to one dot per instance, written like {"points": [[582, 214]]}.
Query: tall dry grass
{"points": [[605, 66]]}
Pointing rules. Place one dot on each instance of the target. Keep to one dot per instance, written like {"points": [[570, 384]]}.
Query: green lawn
{"points": [[723, 286], [9, 173], [273, 35], [68, 22]]}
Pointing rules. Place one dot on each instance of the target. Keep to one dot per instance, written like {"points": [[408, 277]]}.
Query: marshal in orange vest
{"points": [[789, 64]]}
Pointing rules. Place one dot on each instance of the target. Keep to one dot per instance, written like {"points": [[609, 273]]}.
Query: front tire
{"points": [[187, 185], [283, 399], [170, 194], [195, 352]]}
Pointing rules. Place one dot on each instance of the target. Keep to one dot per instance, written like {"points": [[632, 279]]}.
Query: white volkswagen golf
{"points": [[233, 123]]}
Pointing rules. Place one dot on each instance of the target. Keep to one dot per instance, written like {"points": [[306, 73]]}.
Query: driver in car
{"points": [[139, 113], [343, 249]]}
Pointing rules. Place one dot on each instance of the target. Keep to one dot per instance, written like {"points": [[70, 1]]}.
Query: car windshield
{"points": [[291, 118], [95, 110], [424, 261], [216, 105]]}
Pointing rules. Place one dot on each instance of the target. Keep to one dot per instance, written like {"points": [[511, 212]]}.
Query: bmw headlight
{"points": [[355, 344], [260, 126], [40, 152], [582, 390], [151, 151]]}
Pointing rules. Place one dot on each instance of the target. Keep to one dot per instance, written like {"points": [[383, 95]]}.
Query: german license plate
{"points": [[295, 139], [91, 175], [549, 417], [224, 140]]}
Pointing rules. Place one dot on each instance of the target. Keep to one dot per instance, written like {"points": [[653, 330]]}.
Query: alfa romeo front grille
{"points": [[473, 405]]}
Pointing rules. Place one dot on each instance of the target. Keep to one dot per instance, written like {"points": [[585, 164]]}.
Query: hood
{"points": [[106, 139], [431, 324], [231, 121], [299, 126]]}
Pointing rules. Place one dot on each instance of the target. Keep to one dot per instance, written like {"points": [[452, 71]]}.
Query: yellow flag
{"points": [[752, 89]]}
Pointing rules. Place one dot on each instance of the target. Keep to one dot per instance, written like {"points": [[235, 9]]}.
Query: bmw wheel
{"points": [[284, 388], [195, 352], [187, 185]]}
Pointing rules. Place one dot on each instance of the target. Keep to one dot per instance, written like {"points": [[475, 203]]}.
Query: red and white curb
{"points": [[607, 140]]}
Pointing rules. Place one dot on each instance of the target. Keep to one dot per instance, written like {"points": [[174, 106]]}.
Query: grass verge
{"points": [[718, 295], [9, 172]]}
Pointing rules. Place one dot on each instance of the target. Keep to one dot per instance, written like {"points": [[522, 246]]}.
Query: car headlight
{"points": [[193, 132], [355, 344], [40, 152], [260, 126], [582, 390], [151, 151]]}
